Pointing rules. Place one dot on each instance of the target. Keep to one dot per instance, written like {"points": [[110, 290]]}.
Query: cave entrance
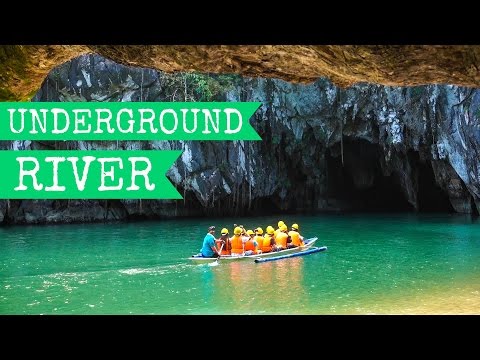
{"points": [[430, 196], [359, 184]]}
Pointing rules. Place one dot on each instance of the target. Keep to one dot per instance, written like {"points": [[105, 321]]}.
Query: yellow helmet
{"points": [[295, 226], [284, 228], [270, 230], [237, 230], [224, 231], [259, 231], [250, 232], [280, 223]]}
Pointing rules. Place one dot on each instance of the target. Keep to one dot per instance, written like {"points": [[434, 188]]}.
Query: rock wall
{"points": [[324, 148]]}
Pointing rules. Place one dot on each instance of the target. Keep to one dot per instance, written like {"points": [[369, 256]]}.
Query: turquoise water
{"points": [[375, 264]]}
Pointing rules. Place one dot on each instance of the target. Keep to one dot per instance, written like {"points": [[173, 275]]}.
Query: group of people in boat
{"points": [[250, 242]]}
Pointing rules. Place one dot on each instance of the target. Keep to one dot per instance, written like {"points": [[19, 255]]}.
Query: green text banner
{"points": [[127, 121], [63, 174]]}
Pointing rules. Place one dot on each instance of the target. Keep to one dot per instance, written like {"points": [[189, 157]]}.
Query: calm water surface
{"points": [[375, 264]]}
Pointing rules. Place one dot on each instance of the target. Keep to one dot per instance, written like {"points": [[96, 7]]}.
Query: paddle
{"points": [[215, 263], [219, 252]]}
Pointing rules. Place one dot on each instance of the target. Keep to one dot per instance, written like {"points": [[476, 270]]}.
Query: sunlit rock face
{"points": [[23, 68]]}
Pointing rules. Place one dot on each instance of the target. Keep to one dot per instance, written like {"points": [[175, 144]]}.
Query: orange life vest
{"points": [[295, 238], [250, 245], [267, 247], [259, 240], [226, 250], [281, 239], [237, 244]]}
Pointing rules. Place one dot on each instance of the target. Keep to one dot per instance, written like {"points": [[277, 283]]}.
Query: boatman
{"points": [[208, 248]]}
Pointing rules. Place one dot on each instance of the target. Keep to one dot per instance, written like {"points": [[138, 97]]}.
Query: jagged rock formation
{"points": [[23, 68], [368, 147]]}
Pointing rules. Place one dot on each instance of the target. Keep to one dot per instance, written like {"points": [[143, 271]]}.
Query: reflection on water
{"points": [[272, 287]]}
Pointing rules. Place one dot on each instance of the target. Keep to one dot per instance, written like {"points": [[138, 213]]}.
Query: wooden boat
{"points": [[199, 259], [312, 250]]}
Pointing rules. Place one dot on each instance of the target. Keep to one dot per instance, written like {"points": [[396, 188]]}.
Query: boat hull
{"points": [[288, 256], [227, 258]]}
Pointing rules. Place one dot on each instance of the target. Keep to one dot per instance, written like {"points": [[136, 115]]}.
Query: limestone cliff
{"points": [[367, 147]]}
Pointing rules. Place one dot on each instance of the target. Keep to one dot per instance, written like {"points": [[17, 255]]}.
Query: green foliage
{"points": [[208, 87], [200, 85]]}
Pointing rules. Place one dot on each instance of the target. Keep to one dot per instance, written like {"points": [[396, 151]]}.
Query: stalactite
{"points": [[341, 141], [213, 197]]}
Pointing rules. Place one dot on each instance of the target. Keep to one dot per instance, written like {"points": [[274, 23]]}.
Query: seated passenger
{"points": [[238, 243], [269, 240], [280, 224], [251, 245], [297, 240], [224, 241], [259, 239], [281, 239]]}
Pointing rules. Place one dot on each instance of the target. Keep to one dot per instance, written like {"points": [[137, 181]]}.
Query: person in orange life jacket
{"points": [[280, 224], [269, 240], [251, 245], [245, 236], [297, 239], [238, 242], [208, 248], [282, 239], [259, 239], [225, 241], [244, 232]]}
